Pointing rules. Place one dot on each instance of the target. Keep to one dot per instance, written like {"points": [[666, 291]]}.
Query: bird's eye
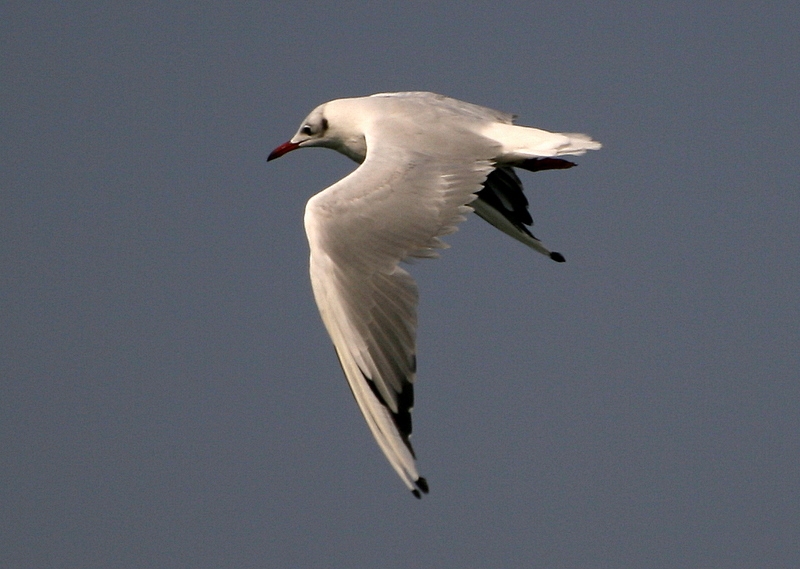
{"points": [[306, 129]]}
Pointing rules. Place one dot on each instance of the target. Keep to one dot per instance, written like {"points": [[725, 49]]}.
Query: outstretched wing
{"points": [[503, 204], [394, 206]]}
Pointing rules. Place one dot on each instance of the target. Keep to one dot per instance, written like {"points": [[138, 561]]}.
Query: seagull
{"points": [[426, 161]]}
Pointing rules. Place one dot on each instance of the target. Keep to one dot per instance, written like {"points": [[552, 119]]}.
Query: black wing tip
{"points": [[422, 484], [557, 257]]}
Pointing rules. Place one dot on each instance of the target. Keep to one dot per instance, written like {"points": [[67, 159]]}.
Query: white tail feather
{"points": [[521, 142]]}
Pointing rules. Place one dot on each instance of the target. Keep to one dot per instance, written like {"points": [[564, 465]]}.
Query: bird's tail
{"points": [[521, 142]]}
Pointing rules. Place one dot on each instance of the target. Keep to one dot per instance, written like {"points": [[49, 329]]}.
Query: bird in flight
{"points": [[426, 160]]}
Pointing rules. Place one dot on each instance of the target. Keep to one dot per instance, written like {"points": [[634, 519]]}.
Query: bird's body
{"points": [[426, 161]]}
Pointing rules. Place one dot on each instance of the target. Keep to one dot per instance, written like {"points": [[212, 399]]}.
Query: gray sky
{"points": [[169, 395]]}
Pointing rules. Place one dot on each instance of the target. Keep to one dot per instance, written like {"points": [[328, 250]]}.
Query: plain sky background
{"points": [[169, 397]]}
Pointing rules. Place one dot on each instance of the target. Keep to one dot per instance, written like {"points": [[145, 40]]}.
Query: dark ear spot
{"points": [[324, 124]]}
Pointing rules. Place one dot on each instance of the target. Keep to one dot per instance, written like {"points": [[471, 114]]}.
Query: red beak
{"points": [[282, 149]]}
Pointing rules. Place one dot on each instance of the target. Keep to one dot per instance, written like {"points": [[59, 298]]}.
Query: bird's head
{"points": [[331, 125]]}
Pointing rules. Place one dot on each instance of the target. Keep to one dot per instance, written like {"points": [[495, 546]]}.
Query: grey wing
{"points": [[394, 206], [450, 106], [503, 204]]}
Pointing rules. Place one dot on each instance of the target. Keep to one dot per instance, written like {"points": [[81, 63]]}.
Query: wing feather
{"points": [[394, 206]]}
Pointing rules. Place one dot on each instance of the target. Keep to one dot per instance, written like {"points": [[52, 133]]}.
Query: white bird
{"points": [[426, 161]]}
